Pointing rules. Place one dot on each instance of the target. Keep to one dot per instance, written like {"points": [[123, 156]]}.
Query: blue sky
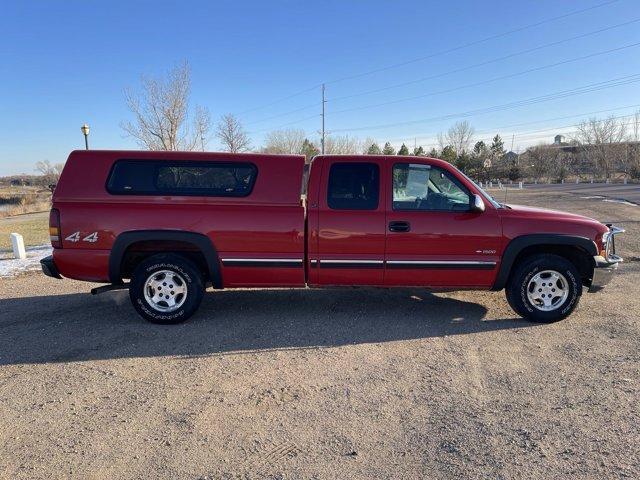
{"points": [[66, 63]]}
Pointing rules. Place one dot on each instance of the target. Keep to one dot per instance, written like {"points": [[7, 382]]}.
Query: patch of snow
{"points": [[615, 200], [10, 267], [589, 197]]}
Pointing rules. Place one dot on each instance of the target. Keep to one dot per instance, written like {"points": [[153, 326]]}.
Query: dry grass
{"points": [[20, 200], [34, 229]]}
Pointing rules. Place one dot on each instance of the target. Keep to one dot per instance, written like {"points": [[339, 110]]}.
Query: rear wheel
{"points": [[544, 288], [166, 289]]}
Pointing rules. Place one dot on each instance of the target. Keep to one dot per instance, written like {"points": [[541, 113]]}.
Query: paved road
{"points": [[629, 192], [24, 217]]}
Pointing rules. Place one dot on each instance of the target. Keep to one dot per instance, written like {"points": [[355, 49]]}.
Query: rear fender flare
{"points": [[202, 242], [518, 244]]}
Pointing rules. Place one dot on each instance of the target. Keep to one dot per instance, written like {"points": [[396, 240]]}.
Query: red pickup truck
{"points": [[173, 223]]}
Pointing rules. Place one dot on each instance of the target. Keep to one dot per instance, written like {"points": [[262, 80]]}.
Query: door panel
{"points": [[351, 223], [432, 238]]}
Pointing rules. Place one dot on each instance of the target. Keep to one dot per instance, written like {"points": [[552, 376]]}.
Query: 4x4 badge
{"points": [[75, 237]]}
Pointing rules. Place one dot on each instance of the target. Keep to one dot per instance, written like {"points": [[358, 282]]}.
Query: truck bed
{"points": [[264, 228]]}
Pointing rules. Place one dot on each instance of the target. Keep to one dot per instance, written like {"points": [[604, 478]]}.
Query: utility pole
{"points": [[322, 137]]}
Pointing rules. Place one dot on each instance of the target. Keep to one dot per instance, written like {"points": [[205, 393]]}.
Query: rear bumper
{"points": [[603, 272], [49, 267]]}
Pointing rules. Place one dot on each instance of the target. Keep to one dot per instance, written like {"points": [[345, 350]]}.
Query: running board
{"points": [[108, 288]]}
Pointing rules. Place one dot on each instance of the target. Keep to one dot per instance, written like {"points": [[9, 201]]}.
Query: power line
{"points": [[293, 95], [458, 70], [284, 114], [535, 133], [496, 129], [580, 90], [487, 62], [286, 124], [484, 82], [470, 44], [432, 55], [507, 106], [532, 133]]}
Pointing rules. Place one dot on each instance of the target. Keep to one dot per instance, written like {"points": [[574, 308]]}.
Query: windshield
{"points": [[482, 190]]}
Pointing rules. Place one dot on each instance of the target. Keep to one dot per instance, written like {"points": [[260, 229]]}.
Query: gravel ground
{"points": [[354, 383]]}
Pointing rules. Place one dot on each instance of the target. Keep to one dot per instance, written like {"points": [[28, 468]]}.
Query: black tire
{"points": [[183, 272], [520, 281]]}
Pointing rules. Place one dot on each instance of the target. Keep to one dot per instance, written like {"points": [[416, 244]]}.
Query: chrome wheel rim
{"points": [[165, 291], [547, 290]]}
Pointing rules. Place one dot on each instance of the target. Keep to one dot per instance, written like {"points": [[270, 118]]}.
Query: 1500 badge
{"points": [[75, 237]]}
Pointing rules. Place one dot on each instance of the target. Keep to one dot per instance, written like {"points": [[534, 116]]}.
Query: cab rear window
{"points": [[215, 179]]}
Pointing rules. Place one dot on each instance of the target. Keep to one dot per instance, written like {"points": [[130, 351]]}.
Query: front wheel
{"points": [[544, 288], [166, 289]]}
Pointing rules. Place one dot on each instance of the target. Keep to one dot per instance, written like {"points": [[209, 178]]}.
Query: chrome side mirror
{"points": [[477, 205]]}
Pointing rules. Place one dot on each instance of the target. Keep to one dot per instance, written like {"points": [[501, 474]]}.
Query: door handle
{"points": [[399, 226]]}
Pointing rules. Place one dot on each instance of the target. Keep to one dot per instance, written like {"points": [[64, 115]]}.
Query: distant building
{"points": [[510, 157], [559, 140]]}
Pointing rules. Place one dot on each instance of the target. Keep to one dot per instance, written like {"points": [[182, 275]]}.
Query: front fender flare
{"points": [[518, 244]]}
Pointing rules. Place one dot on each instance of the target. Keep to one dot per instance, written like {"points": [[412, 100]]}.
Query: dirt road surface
{"points": [[327, 384]]}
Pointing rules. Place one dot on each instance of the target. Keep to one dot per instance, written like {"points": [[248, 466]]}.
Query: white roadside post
{"points": [[17, 242]]}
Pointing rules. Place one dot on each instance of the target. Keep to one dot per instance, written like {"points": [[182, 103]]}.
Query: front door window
{"points": [[423, 187]]}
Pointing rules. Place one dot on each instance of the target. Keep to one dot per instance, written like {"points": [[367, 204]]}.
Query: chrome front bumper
{"points": [[606, 264], [603, 272]]}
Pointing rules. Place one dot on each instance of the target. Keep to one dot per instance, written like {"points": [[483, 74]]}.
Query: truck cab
{"points": [[399, 221], [166, 225]]}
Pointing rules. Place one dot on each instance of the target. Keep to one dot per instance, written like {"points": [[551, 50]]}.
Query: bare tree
{"points": [[50, 172], [341, 144], [160, 112], [635, 127], [597, 137], [45, 167], [232, 135], [459, 136], [285, 141], [202, 122], [633, 149], [540, 161]]}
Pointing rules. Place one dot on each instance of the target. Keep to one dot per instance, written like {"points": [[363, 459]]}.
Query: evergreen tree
{"points": [[480, 148], [497, 147], [418, 151], [463, 162], [514, 172], [448, 154], [403, 150], [374, 149], [433, 153], [308, 149], [388, 149], [479, 161]]}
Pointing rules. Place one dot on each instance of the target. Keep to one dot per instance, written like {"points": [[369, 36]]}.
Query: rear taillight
{"points": [[55, 234]]}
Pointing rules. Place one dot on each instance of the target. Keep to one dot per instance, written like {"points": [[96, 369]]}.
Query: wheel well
{"points": [[138, 251], [576, 255]]}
